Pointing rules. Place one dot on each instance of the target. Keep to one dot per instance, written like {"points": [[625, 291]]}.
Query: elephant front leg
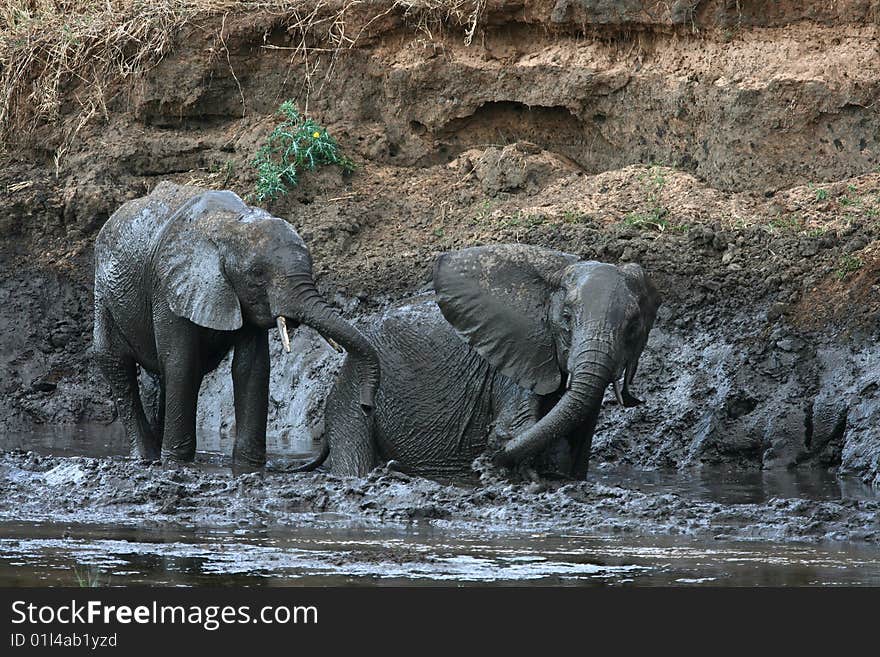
{"points": [[182, 377], [250, 382]]}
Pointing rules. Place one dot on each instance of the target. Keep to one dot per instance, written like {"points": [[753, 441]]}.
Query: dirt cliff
{"points": [[730, 146]]}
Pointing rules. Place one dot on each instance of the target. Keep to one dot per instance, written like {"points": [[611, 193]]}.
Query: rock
{"points": [[856, 244], [809, 249], [775, 311], [790, 344], [44, 385], [522, 166]]}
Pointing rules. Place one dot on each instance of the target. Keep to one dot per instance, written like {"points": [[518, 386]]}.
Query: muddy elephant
{"points": [[545, 333], [182, 276]]}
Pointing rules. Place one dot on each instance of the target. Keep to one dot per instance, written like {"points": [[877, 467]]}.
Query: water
{"points": [[337, 552], [731, 486], [101, 440], [45, 554]]}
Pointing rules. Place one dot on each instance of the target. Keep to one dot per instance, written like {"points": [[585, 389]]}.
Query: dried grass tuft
{"points": [[48, 46]]}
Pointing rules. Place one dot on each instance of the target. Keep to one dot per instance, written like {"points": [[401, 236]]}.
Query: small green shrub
{"points": [[847, 265], [296, 144], [483, 213], [847, 200], [653, 181], [653, 219], [788, 222], [821, 194], [573, 217]]}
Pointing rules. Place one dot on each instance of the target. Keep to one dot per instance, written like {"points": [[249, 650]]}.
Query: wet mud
{"points": [[128, 492], [113, 520]]}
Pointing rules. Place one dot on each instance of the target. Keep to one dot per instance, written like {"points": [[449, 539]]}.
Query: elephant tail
{"points": [[317, 461]]}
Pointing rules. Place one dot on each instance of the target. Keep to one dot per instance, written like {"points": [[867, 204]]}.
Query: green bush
{"points": [[296, 144]]}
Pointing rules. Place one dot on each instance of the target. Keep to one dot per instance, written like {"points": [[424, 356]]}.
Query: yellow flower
{"points": [[316, 134]]}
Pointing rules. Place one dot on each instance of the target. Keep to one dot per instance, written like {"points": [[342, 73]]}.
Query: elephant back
{"points": [[435, 399], [127, 239]]}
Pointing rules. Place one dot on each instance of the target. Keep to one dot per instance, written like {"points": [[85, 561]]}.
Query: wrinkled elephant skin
{"points": [[182, 276], [514, 353]]}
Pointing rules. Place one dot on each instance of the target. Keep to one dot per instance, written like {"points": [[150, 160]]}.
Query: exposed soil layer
{"points": [[760, 226]]}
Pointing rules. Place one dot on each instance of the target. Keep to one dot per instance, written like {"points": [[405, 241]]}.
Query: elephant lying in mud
{"points": [[183, 275], [548, 333]]}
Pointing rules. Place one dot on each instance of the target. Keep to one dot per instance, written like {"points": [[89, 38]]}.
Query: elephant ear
{"points": [[647, 294], [497, 298], [189, 266]]}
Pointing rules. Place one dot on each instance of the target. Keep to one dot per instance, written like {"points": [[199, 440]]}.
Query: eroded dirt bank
{"points": [[730, 149]]}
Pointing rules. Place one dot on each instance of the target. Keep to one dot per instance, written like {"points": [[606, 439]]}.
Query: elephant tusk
{"points": [[617, 394], [333, 344], [281, 323], [568, 382]]}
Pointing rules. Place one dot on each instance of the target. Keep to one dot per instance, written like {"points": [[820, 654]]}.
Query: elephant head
{"points": [[554, 324], [222, 264]]}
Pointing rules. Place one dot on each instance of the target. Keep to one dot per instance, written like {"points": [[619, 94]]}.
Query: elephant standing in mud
{"points": [[182, 276], [547, 332]]}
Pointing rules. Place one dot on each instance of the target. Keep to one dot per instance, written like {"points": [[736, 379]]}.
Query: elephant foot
{"points": [[241, 468], [243, 460], [556, 475], [145, 448], [178, 456]]}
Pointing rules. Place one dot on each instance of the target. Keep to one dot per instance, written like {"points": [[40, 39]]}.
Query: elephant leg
{"points": [[153, 401], [182, 376], [580, 458], [120, 371], [250, 382], [516, 411], [581, 442]]}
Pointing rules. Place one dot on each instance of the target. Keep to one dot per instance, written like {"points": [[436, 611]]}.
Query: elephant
{"points": [[182, 276], [512, 355]]}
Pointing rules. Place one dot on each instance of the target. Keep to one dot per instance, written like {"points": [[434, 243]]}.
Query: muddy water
{"points": [[336, 550], [45, 554], [100, 440]]}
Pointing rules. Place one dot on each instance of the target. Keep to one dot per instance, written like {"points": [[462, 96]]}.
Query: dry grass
{"points": [[48, 47]]}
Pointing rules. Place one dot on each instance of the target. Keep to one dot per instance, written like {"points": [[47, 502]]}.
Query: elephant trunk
{"points": [[575, 414], [310, 308]]}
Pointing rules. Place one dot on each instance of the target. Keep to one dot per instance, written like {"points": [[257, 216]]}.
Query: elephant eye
{"points": [[632, 327]]}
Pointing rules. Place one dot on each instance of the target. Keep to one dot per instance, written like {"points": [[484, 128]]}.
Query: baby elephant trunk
{"points": [[574, 416], [307, 306]]}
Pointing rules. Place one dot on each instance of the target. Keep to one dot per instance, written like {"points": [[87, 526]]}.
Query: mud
{"points": [[130, 493]]}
